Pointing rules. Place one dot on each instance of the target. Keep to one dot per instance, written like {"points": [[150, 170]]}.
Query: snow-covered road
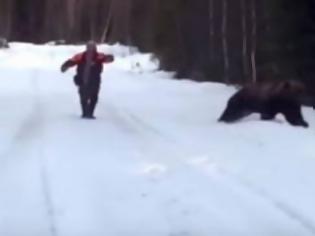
{"points": [[155, 162]]}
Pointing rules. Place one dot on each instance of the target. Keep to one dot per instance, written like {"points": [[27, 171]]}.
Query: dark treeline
{"points": [[220, 40]]}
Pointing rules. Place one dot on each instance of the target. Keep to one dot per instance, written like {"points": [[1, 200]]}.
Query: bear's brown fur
{"points": [[268, 98]]}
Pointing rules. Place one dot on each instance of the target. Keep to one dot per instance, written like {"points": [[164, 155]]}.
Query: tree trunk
{"points": [[71, 16], [107, 23], [120, 21], [224, 42], [244, 40], [253, 41], [9, 18], [211, 30]]}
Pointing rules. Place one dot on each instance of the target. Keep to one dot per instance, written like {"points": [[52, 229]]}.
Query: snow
{"points": [[155, 162]]}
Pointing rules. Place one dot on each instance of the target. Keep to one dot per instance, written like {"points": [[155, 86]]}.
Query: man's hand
{"points": [[110, 58], [64, 68]]}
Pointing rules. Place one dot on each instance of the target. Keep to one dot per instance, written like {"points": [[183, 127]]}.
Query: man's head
{"points": [[91, 46]]}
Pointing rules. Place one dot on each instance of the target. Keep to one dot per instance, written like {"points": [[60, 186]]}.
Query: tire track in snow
{"points": [[46, 187], [30, 134], [156, 150], [18, 141], [277, 204], [283, 207], [24, 133], [45, 179], [135, 124]]}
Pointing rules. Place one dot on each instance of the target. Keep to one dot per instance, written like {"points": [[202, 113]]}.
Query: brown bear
{"points": [[269, 99]]}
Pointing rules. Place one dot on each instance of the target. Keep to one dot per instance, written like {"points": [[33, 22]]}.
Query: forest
{"points": [[231, 41]]}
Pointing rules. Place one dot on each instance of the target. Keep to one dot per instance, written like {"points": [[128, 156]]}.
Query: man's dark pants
{"points": [[88, 98]]}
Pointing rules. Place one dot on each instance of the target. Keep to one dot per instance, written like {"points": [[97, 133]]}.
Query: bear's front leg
{"points": [[294, 116]]}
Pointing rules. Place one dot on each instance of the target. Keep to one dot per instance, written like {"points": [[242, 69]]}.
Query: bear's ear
{"points": [[286, 85]]}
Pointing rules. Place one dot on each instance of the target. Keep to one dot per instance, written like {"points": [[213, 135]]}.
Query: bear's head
{"points": [[299, 91]]}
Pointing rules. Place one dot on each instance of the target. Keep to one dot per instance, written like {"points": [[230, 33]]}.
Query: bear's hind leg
{"points": [[233, 113]]}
